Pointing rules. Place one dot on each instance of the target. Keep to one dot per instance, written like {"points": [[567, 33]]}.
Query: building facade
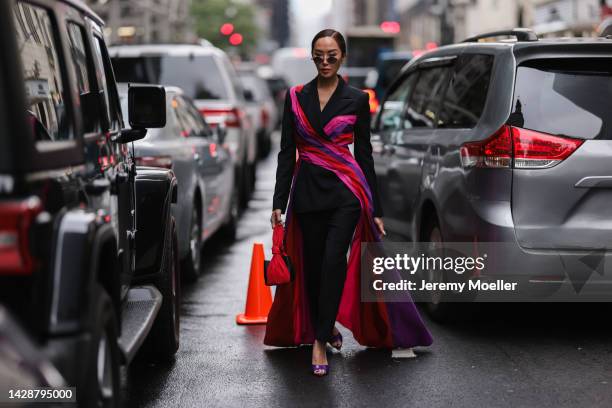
{"points": [[145, 21]]}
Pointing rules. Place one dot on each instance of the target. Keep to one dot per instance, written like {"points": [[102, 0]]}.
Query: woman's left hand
{"points": [[380, 225]]}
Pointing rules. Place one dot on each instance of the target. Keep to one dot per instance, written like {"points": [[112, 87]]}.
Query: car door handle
{"points": [[594, 182]]}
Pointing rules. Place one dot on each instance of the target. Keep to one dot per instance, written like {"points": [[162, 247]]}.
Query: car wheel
{"points": [[243, 184], [192, 262], [438, 307], [252, 178], [229, 229], [163, 340], [443, 306], [101, 386]]}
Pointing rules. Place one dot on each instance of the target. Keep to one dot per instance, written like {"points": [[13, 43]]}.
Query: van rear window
{"points": [[569, 97], [198, 76]]}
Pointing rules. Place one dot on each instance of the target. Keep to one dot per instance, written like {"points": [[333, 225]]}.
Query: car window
{"points": [[465, 98], [45, 91], [190, 124], [256, 85], [422, 110], [82, 68], [108, 85], [201, 126], [391, 112], [568, 96], [198, 76]]}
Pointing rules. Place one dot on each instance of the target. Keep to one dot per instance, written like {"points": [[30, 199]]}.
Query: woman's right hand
{"points": [[276, 217]]}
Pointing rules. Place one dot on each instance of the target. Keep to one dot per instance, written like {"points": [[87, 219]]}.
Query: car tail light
{"points": [[494, 152], [372, 99], [15, 220], [155, 161], [535, 150], [231, 116], [265, 117], [527, 149]]}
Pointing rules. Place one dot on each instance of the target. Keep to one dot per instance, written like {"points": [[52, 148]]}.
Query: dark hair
{"points": [[329, 32]]}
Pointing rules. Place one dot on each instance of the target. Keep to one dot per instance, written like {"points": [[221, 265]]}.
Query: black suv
{"points": [[502, 141], [88, 258]]}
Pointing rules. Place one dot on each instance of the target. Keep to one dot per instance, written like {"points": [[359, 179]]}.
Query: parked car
{"points": [[262, 106], [277, 87], [206, 75], [358, 77], [388, 65], [207, 196], [294, 65], [88, 260], [501, 142]]}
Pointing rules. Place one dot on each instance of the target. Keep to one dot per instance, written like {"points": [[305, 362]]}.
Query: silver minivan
{"points": [[206, 76]]}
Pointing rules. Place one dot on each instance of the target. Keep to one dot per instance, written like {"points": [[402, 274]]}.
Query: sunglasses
{"points": [[331, 59]]}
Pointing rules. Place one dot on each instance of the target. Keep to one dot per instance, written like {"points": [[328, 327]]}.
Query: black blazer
{"points": [[317, 188]]}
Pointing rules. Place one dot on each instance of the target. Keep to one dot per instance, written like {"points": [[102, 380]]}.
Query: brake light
{"points": [[231, 116], [493, 152], [535, 150], [15, 220], [265, 117], [372, 100], [527, 149], [155, 161]]}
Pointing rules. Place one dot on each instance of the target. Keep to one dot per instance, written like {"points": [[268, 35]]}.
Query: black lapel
{"points": [[337, 102], [309, 100]]}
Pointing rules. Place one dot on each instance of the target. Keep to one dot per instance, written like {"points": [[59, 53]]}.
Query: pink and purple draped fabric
{"points": [[375, 324]]}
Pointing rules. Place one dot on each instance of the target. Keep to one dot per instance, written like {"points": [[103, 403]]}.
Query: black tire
{"points": [[191, 264], [445, 307], [100, 385], [228, 231], [439, 307], [252, 177], [162, 342], [243, 185]]}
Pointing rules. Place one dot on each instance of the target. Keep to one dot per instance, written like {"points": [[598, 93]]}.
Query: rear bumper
{"points": [[567, 275]]}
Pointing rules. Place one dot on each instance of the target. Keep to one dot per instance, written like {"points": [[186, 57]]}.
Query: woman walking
{"points": [[333, 206]]}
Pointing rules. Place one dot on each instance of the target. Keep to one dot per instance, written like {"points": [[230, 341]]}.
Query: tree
{"points": [[209, 15]]}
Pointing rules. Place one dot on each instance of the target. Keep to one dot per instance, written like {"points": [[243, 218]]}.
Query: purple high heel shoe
{"points": [[334, 338], [320, 369]]}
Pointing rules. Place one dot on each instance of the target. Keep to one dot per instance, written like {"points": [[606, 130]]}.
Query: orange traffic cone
{"points": [[259, 296]]}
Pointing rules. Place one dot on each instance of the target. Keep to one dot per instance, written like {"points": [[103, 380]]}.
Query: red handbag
{"points": [[279, 269]]}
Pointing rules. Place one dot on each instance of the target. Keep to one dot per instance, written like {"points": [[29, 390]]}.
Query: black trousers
{"points": [[327, 235]]}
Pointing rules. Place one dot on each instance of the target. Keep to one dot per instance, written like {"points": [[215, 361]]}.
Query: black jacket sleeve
{"points": [[286, 158], [362, 149]]}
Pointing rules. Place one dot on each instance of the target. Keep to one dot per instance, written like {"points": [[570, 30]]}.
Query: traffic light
{"points": [[235, 39], [227, 29], [390, 27]]}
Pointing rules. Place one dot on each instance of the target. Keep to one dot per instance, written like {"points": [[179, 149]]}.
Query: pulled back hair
{"points": [[329, 32]]}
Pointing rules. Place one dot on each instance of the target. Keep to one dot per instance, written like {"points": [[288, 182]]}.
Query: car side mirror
{"points": [[248, 95], [147, 106], [146, 109]]}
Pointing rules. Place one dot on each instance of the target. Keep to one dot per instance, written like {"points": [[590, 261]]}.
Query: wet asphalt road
{"points": [[510, 356]]}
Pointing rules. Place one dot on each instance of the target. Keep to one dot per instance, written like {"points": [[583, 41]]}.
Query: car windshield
{"points": [[296, 70], [198, 76], [568, 97], [254, 84]]}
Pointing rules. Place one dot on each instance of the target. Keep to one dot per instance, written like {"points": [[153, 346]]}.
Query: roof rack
{"points": [[521, 34]]}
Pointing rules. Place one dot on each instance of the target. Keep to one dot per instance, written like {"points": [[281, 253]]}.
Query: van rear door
{"points": [[562, 142]]}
